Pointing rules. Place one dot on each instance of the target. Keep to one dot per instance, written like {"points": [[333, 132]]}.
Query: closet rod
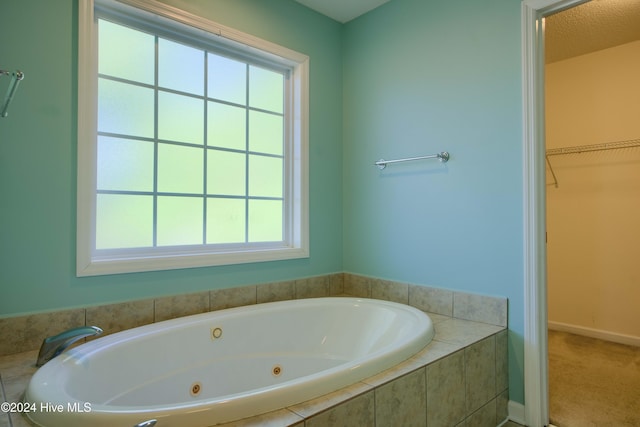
{"points": [[586, 148]]}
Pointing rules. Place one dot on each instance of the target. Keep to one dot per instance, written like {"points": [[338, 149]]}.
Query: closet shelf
{"points": [[586, 148]]}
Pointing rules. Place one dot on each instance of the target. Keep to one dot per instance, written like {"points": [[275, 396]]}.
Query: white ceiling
{"points": [[592, 26], [342, 10]]}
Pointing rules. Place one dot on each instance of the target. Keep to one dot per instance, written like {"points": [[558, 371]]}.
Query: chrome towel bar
{"points": [[11, 90], [443, 157]]}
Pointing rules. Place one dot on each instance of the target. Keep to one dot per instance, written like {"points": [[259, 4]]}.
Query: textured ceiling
{"points": [[592, 26], [342, 10]]}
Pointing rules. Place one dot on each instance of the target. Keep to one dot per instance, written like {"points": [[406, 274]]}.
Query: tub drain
{"points": [[196, 388], [276, 370]]}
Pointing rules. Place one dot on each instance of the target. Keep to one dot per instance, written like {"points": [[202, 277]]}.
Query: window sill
{"points": [[134, 264]]}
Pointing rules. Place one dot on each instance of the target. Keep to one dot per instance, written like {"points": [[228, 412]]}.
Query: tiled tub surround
{"points": [[460, 379]]}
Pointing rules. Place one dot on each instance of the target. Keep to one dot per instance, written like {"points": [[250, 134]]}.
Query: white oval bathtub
{"points": [[222, 366]]}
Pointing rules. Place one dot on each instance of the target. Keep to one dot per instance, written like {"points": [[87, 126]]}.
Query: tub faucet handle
{"points": [[148, 423], [53, 346]]}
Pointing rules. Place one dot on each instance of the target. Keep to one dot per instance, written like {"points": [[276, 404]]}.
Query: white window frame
{"points": [[296, 228]]}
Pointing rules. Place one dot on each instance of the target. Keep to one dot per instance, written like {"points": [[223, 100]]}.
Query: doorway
{"points": [[593, 157], [534, 12]]}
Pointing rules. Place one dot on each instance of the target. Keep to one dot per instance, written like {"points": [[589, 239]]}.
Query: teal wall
{"points": [[410, 78], [38, 157], [420, 77]]}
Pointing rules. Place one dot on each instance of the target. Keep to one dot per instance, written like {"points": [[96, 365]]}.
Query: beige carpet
{"points": [[593, 383]]}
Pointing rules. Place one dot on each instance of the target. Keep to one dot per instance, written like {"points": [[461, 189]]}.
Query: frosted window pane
{"points": [[179, 221], [265, 176], [226, 126], [265, 133], [125, 164], [265, 220], [125, 109], [180, 169], [266, 89], [181, 118], [124, 221], [126, 53], [180, 67], [226, 173], [225, 221], [227, 79]]}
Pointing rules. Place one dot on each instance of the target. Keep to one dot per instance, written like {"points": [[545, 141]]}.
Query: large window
{"points": [[192, 143]]}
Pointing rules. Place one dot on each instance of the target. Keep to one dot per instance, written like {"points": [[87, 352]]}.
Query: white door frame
{"points": [[536, 390]]}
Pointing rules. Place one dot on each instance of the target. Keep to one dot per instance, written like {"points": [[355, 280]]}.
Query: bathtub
{"points": [[221, 366]]}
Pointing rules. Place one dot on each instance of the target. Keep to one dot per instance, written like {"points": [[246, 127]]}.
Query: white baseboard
{"points": [[516, 412], [595, 333]]}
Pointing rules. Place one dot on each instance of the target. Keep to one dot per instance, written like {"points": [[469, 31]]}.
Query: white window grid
{"points": [[206, 146]]}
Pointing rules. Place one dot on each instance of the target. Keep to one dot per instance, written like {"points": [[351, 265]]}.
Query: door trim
{"points": [[536, 390]]}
